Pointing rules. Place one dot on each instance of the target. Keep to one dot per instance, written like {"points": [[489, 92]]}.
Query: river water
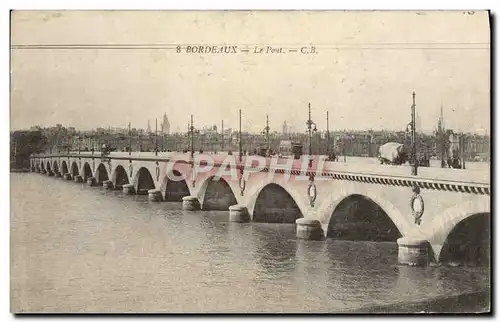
{"points": [[76, 248]]}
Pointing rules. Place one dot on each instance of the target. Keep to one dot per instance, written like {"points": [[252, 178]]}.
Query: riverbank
{"points": [[19, 170], [475, 302]]}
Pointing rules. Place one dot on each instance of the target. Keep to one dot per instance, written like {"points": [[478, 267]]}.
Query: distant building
{"points": [[165, 125], [149, 128], [418, 123], [285, 128]]}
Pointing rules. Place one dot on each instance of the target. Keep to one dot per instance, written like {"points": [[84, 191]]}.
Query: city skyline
{"points": [[90, 88], [285, 128]]}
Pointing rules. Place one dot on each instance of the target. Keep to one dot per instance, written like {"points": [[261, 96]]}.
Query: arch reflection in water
{"points": [[359, 218], [275, 205], [274, 248]]}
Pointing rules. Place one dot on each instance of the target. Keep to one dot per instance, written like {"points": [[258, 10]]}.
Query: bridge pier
{"points": [[128, 189], [308, 229], [78, 179], [238, 213], [190, 203], [91, 181], [57, 175], [413, 252], [107, 184], [50, 173], [67, 176], [154, 195]]}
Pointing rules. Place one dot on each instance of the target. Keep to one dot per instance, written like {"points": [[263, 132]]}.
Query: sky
{"points": [[366, 66]]}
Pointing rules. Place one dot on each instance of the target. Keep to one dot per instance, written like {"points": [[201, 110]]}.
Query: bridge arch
{"points": [[468, 242], [143, 181], [55, 167], [42, 166], [119, 177], [101, 174], [216, 194], [64, 167], [49, 169], [439, 229], [357, 217], [74, 169], [335, 197], [274, 203], [174, 190], [86, 171]]}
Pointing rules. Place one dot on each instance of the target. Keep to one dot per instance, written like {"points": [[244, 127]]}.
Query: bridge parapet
{"points": [[432, 178]]}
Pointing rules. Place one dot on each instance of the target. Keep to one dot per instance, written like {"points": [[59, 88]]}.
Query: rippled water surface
{"points": [[80, 249]]}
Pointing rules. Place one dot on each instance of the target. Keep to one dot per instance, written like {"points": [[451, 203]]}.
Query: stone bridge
{"points": [[324, 199]]}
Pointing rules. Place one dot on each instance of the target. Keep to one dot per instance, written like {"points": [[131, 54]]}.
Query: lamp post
{"points": [[327, 136], [129, 139], [222, 135], [310, 130], [413, 139], [441, 138], [192, 131], [92, 140], [462, 149], [156, 137], [239, 141], [266, 132]]}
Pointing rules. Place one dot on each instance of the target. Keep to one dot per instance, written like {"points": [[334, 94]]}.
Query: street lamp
{"points": [[462, 149], [156, 137], [239, 141], [129, 140], [92, 140], [265, 131], [79, 141], [310, 129], [222, 135], [414, 162], [192, 132], [328, 136]]}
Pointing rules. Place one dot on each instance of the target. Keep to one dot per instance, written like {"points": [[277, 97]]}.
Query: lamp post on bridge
{"points": [[414, 168], [222, 135], [310, 130], [92, 141], [239, 141], [192, 131], [156, 137], [129, 140], [265, 131], [79, 141], [328, 136]]}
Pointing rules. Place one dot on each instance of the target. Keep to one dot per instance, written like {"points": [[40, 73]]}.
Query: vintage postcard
{"points": [[250, 162]]}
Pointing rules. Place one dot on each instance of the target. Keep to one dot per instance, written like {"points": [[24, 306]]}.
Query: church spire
{"points": [[165, 126]]}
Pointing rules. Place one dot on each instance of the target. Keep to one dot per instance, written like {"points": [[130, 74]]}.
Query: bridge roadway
{"points": [[423, 209]]}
